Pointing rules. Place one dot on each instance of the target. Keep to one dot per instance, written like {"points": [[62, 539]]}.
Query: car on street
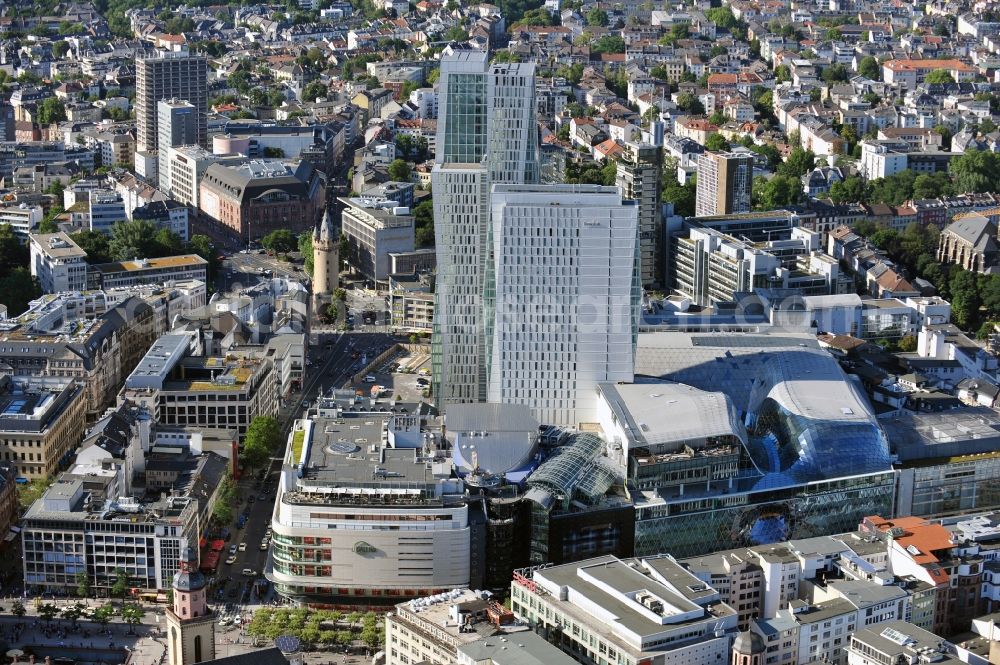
{"points": [[231, 559], [249, 572], [370, 378], [243, 547], [232, 549], [263, 545]]}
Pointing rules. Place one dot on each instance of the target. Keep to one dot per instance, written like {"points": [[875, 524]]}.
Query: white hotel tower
{"points": [[562, 296]]}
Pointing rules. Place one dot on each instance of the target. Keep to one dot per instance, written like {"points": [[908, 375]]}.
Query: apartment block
{"points": [[57, 262], [374, 229], [147, 271], [640, 177], [725, 182], [178, 123], [169, 75], [179, 385]]}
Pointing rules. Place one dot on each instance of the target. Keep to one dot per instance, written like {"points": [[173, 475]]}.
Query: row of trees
{"points": [[261, 441], [227, 502], [130, 614], [141, 239], [318, 627], [975, 298], [975, 171]]}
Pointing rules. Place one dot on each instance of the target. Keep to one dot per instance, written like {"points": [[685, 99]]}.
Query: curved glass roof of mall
{"points": [[800, 417]]}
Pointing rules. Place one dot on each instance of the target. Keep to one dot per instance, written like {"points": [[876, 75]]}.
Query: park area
{"points": [[319, 628]]}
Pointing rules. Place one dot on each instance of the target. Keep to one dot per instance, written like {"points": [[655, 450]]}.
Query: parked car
{"points": [[243, 547]]}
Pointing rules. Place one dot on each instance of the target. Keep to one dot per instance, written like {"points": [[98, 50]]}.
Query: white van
{"points": [[370, 378]]}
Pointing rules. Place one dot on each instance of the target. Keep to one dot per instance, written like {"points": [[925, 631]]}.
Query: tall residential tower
{"points": [[486, 135], [725, 181], [640, 177], [167, 75]]}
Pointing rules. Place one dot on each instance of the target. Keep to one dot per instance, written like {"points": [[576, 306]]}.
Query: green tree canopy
{"points": [[51, 110], [305, 244], [777, 192], [939, 76], [716, 143], [399, 170], [314, 90], [261, 441], [869, 68], [976, 171], [597, 17], [799, 163], [608, 44], [690, 104], [281, 241]]}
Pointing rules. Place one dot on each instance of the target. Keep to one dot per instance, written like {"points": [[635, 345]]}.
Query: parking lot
{"points": [[407, 385]]}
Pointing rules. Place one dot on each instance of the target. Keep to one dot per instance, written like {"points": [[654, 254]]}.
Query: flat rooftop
{"points": [[658, 414], [943, 435], [612, 584], [348, 463], [162, 263]]}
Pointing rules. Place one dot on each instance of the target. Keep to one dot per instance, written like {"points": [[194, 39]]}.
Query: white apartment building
{"points": [[880, 159], [106, 210], [22, 218], [358, 523], [57, 262], [486, 135], [626, 612], [562, 297]]}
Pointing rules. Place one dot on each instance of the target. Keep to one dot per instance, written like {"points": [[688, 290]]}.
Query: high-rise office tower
{"points": [[565, 296], [640, 177], [486, 134], [166, 75], [177, 124], [724, 184]]}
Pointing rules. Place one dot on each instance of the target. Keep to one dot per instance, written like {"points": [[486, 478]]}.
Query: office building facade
{"points": [[486, 135], [724, 184], [561, 297], [65, 533], [169, 75], [106, 210], [178, 123]]}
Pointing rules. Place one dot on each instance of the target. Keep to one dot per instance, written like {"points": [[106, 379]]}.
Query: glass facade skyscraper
{"points": [[486, 135]]}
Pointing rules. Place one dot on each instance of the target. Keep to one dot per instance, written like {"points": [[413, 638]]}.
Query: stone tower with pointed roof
{"points": [[325, 258], [190, 623]]}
